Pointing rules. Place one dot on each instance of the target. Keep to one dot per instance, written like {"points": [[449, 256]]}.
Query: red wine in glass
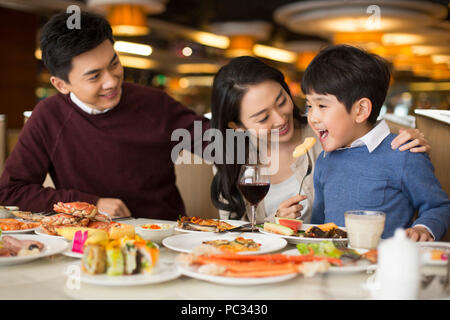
{"points": [[254, 192], [254, 185]]}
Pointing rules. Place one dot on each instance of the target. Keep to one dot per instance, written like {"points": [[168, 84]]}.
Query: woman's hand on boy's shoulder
{"points": [[417, 141], [419, 233]]}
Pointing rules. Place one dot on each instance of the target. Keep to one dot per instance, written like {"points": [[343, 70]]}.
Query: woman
{"points": [[251, 95]]}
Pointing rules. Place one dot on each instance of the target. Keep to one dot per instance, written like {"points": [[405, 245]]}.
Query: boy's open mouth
{"points": [[323, 134]]}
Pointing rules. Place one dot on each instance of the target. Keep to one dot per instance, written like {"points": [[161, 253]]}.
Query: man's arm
{"points": [[26, 169]]}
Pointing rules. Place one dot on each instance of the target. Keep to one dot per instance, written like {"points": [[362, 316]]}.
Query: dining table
{"points": [[52, 278]]}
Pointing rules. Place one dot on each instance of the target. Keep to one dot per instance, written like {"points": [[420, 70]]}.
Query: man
{"points": [[102, 140]]}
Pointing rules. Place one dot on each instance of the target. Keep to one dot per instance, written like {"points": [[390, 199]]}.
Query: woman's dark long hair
{"points": [[230, 85]]}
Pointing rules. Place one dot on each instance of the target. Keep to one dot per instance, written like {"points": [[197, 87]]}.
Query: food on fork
{"points": [[304, 147]]}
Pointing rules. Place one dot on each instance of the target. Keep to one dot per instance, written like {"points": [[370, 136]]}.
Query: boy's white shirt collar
{"points": [[84, 107], [371, 139]]}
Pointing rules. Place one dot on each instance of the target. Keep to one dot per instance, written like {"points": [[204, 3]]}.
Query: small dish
{"points": [[5, 212], [155, 232]]}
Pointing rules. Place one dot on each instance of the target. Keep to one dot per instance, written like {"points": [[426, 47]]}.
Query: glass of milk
{"points": [[364, 228]]}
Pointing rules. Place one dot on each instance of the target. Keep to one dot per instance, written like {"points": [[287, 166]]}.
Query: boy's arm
{"points": [[426, 194], [318, 209], [26, 169]]}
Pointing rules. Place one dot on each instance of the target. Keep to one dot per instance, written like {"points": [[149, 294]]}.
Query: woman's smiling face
{"points": [[267, 106]]}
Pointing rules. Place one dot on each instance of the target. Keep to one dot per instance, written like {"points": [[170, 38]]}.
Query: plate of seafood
{"points": [[242, 243], [11, 226], [16, 249], [435, 253], [196, 224], [74, 214], [308, 233], [236, 269], [342, 260]]}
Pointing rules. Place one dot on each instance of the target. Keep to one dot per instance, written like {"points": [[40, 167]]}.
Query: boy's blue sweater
{"points": [[397, 183]]}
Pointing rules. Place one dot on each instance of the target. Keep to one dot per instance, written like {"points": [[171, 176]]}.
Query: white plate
{"points": [[425, 250], [19, 231], [340, 270], [163, 271], [187, 242], [295, 240], [72, 254], [52, 247], [41, 232], [235, 223], [191, 272]]}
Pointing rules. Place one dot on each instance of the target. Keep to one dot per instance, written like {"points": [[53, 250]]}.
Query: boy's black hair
{"points": [[349, 74], [59, 43]]}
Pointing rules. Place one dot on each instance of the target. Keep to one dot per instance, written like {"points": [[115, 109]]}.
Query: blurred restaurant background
{"points": [[178, 46]]}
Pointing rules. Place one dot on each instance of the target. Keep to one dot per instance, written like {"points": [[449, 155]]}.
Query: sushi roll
{"points": [[114, 259], [130, 255], [94, 259], [148, 255]]}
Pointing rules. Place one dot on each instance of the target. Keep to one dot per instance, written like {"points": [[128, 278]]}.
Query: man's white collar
{"points": [[84, 107]]}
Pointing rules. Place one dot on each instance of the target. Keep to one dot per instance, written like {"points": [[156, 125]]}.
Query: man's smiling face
{"points": [[96, 77]]}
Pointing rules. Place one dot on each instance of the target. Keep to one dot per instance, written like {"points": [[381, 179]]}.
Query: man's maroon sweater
{"points": [[124, 153]]}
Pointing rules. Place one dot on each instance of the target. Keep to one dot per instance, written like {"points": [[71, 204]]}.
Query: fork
{"points": [[308, 172]]}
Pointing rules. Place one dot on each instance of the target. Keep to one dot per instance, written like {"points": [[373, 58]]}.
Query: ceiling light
{"points": [[326, 17], [210, 39], [128, 17], [128, 20], [273, 53], [136, 62], [197, 68], [186, 51], [240, 45], [133, 48]]}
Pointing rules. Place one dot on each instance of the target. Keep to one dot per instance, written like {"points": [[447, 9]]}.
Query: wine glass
{"points": [[254, 185]]}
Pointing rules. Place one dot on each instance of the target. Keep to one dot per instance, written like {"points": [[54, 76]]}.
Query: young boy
{"points": [[345, 88]]}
